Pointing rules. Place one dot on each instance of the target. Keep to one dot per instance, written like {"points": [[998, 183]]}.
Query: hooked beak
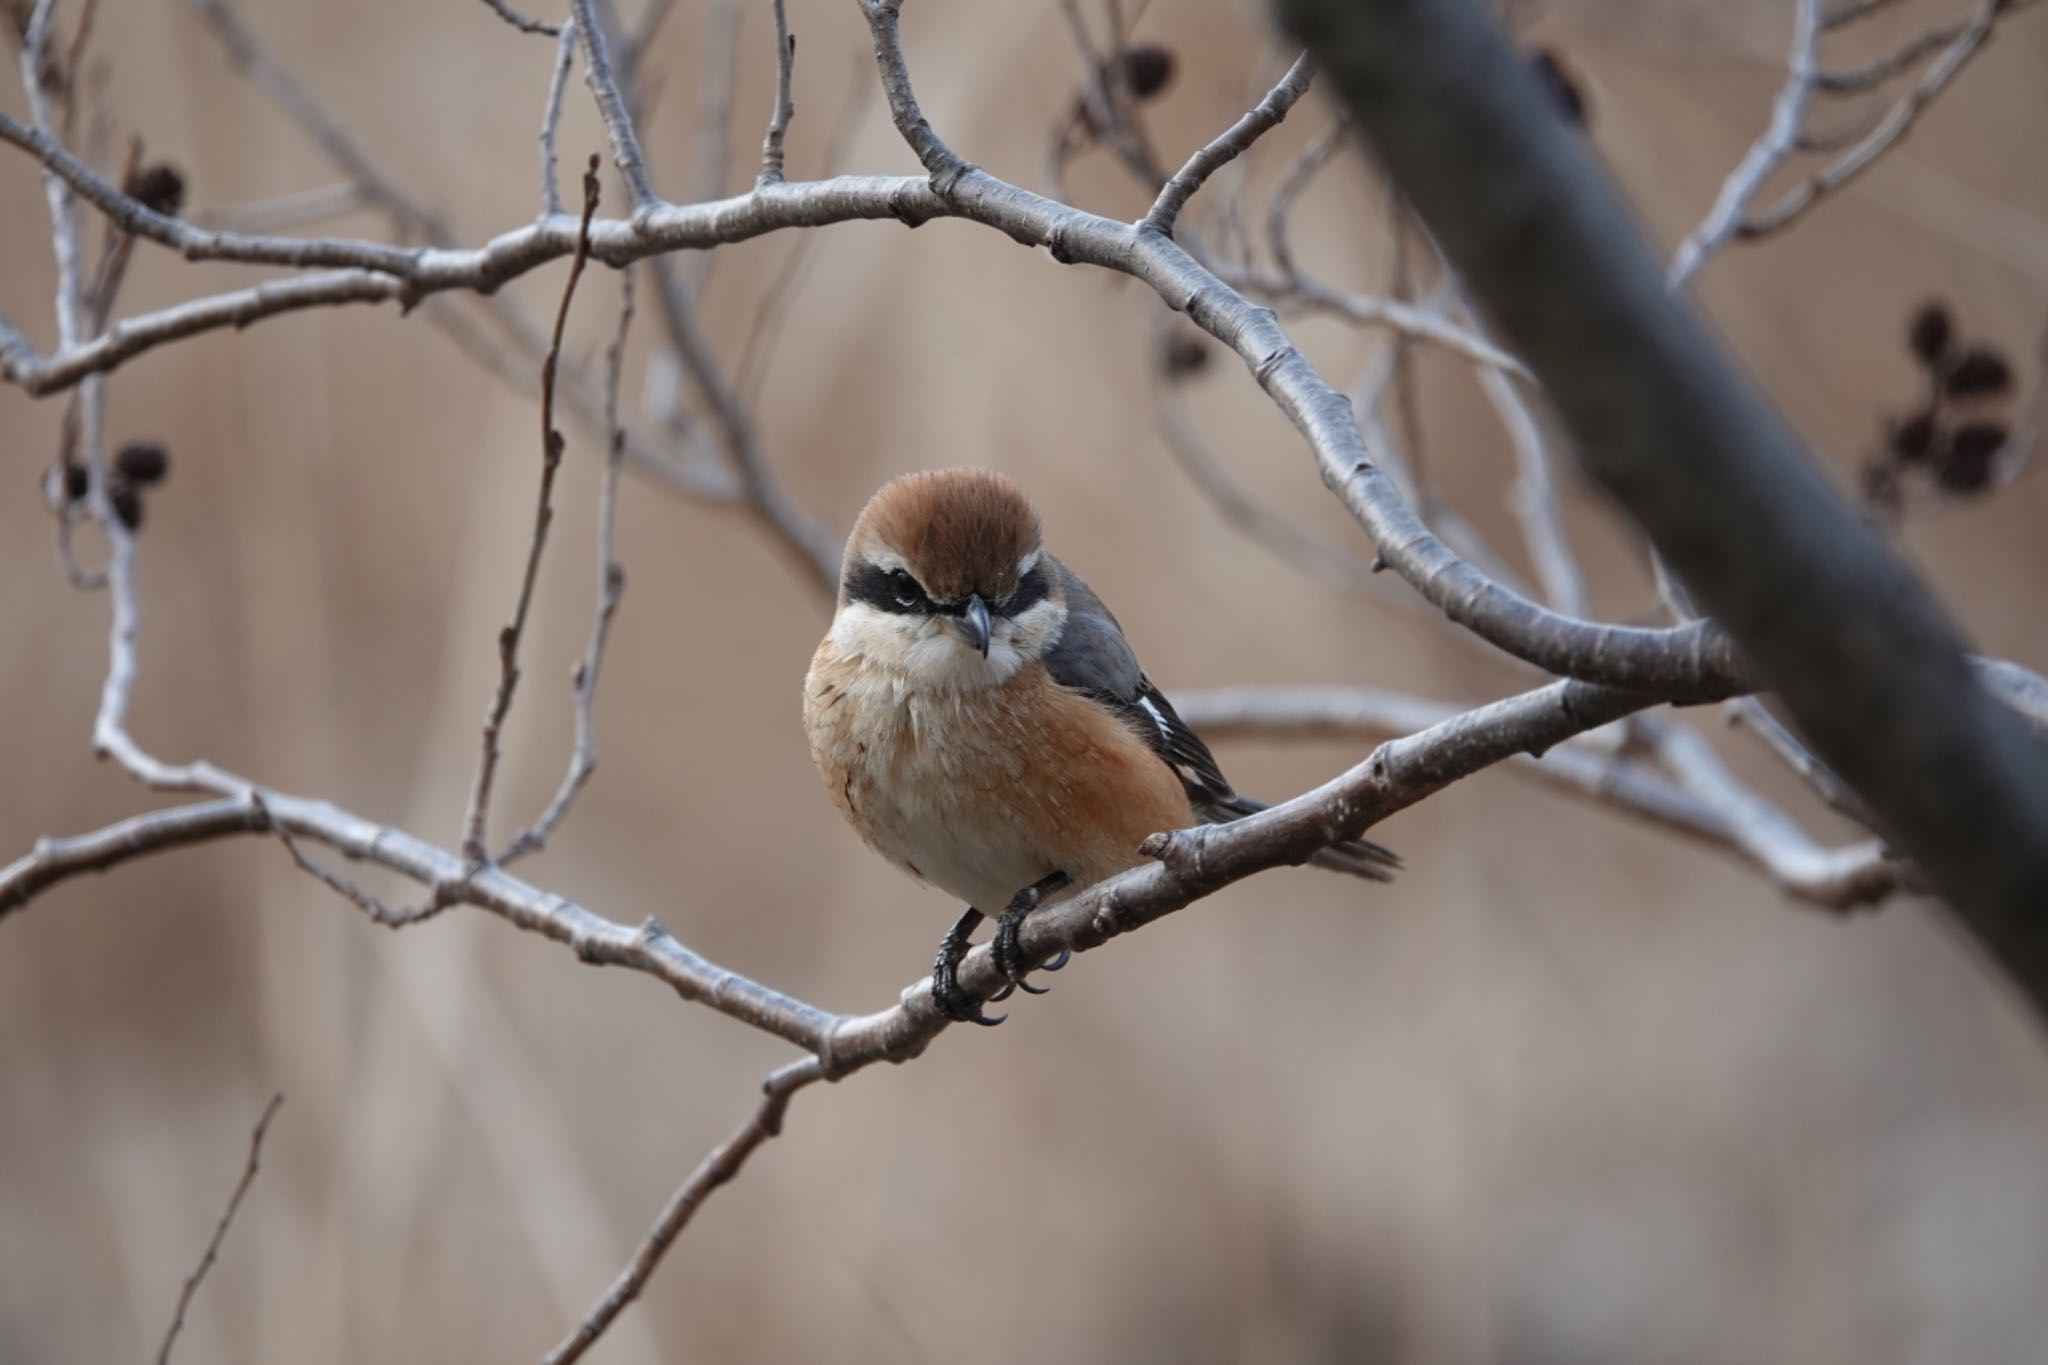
{"points": [[974, 623]]}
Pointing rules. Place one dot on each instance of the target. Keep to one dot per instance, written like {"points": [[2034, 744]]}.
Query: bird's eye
{"points": [[905, 588]]}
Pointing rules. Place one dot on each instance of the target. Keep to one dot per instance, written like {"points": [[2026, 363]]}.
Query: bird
{"points": [[980, 718]]}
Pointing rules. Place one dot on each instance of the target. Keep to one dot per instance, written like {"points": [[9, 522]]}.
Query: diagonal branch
{"points": [[1260, 119], [1869, 666], [220, 1230], [717, 1168]]}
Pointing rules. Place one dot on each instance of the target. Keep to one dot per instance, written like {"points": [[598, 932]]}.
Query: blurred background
{"points": [[1573, 1089]]}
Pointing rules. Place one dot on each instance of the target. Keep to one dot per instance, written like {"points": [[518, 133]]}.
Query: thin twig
{"points": [[1233, 142], [1300, 173], [611, 586], [473, 845], [521, 22], [1725, 220], [1894, 126], [220, 1230], [773, 310], [785, 108], [717, 1168]]}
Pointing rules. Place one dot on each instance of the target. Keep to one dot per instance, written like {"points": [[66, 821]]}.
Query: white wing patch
{"points": [[1158, 718]]}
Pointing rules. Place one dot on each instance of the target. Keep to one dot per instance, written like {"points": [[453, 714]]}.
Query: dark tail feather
{"points": [[1358, 857]]}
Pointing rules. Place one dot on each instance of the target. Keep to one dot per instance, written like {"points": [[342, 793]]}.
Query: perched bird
{"points": [[981, 721]]}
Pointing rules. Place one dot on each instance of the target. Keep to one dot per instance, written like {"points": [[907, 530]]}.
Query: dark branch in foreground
{"points": [[1866, 662]]}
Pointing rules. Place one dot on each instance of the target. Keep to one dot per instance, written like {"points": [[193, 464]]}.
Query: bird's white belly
{"points": [[929, 806]]}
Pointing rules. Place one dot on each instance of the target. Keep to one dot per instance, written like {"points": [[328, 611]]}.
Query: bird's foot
{"points": [[947, 997], [1009, 956]]}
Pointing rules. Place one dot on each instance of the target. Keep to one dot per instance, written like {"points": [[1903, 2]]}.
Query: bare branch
{"points": [[611, 106], [785, 110], [521, 22], [1232, 143], [717, 1168], [1693, 660], [1840, 879], [1583, 767], [1374, 310], [1725, 220], [1965, 44], [1300, 173], [1665, 424], [378, 911], [473, 846], [611, 585], [1535, 496], [220, 1230]]}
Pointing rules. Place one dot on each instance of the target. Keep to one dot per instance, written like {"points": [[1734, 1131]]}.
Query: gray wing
{"points": [[1093, 657]]}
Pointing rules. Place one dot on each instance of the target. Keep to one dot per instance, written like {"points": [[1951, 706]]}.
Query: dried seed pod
{"points": [[1978, 372], [142, 462], [1145, 69], [1931, 333], [1978, 441], [1559, 84], [1913, 438], [159, 186]]}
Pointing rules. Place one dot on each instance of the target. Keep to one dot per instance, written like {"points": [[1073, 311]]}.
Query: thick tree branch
{"points": [[1868, 665]]}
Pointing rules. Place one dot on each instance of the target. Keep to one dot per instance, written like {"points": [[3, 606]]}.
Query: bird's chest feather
{"points": [[935, 781]]}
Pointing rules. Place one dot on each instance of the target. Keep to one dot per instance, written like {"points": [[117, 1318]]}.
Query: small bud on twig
{"points": [[1931, 333], [159, 187], [142, 462]]}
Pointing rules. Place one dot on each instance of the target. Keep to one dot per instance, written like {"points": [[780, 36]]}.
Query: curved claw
{"points": [[1029, 989], [1066, 956], [962, 1008], [1008, 989]]}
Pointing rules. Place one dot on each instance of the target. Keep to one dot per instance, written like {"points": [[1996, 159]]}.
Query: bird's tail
{"points": [[1358, 857]]}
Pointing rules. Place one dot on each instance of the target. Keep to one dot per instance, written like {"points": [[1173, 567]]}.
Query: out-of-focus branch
{"points": [[1966, 41], [1733, 216], [220, 1231], [612, 108], [1838, 878], [1788, 119], [1837, 625], [551, 120]]}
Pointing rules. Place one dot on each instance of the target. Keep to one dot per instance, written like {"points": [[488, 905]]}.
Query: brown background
{"points": [[1571, 1090]]}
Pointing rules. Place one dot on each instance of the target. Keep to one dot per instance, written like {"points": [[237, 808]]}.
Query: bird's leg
{"points": [[947, 996], [1009, 958]]}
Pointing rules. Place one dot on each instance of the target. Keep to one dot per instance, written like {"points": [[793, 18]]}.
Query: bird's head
{"points": [[944, 582]]}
